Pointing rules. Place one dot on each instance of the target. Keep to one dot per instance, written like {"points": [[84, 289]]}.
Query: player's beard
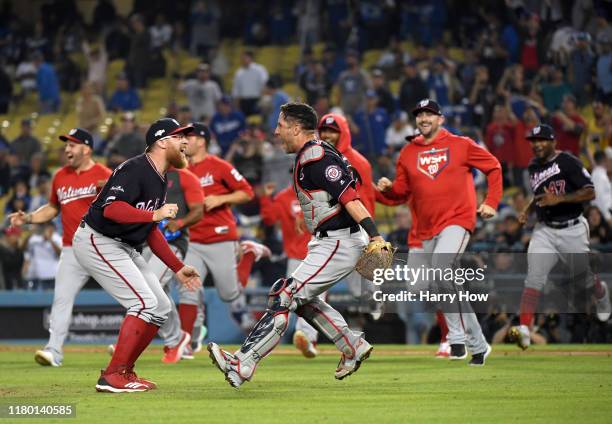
{"points": [[176, 158], [427, 131]]}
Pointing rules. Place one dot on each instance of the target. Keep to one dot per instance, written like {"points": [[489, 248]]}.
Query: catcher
{"points": [[341, 226]]}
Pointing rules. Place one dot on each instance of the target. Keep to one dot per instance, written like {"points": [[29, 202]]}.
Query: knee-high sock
{"points": [[132, 331], [188, 314], [442, 324], [529, 303], [244, 267], [144, 341]]}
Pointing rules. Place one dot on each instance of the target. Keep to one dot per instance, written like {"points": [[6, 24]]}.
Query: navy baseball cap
{"points": [[165, 127], [541, 132], [429, 105], [78, 135], [200, 130], [328, 122]]}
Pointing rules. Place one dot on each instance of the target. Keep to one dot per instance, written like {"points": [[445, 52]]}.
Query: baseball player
{"points": [[334, 214], [415, 260], [434, 171], [213, 240], [285, 208], [124, 216], [561, 186], [73, 188]]}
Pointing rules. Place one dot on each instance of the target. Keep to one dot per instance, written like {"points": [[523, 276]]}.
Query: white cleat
{"points": [[301, 342], [603, 306], [234, 379], [444, 350], [348, 366], [520, 334], [220, 358], [45, 358], [479, 359]]}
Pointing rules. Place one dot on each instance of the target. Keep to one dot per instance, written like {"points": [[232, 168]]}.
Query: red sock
{"points": [[529, 303], [442, 324], [598, 289], [143, 342], [188, 315], [132, 331], [244, 267]]}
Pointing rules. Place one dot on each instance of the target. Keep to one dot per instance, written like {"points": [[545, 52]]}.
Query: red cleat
{"points": [[120, 382], [173, 354]]}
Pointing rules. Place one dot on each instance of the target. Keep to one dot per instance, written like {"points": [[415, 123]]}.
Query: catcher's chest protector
{"points": [[316, 203]]}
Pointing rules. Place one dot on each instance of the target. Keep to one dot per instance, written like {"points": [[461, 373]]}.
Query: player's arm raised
{"points": [[41, 215]]}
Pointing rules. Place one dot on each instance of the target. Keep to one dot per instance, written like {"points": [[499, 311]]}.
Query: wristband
{"points": [[368, 225]]}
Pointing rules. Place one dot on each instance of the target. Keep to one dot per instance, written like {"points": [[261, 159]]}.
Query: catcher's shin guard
{"points": [[268, 331], [328, 321]]}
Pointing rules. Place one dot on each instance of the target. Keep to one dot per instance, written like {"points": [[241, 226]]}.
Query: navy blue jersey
{"points": [[137, 182], [332, 174], [561, 175]]}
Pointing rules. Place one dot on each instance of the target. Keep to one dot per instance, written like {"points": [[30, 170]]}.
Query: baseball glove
{"points": [[377, 254]]}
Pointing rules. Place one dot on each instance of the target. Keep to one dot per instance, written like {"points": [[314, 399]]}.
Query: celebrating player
{"points": [[434, 172], [74, 187], [561, 186], [333, 213], [123, 216], [213, 240]]}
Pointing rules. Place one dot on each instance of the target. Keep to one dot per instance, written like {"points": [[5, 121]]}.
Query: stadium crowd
{"points": [[496, 69]]}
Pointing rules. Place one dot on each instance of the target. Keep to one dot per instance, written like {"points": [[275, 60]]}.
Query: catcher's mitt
{"points": [[377, 254]]}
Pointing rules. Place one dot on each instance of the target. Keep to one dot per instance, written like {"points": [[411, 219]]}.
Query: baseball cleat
{"points": [[174, 354], [234, 379], [120, 382], [602, 305], [348, 366], [457, 352], [478, 359], [187, 353], [220, 358], [443, 351], [45, 358], [196, 345], [110, 349], [132, 375], [520, 334], [301, 342]]}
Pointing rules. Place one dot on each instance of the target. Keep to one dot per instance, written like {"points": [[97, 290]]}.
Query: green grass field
{"points": [[398, 384]]}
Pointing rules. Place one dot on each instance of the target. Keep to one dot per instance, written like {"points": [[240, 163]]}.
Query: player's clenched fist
{"points": [[384, 184], [486, 211], [169, 210], [189, 277]]}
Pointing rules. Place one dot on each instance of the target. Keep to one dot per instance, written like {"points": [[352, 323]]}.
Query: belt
{"points": [[326, 233], [561, 225]]}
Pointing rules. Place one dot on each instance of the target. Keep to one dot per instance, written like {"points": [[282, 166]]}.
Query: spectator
{"points": [[402, 224], [522, 146], [137, 63], [373, 24], [370, 127], [601, 182], [160, 32], [227, 124], [5, 171], [385, 98], [42, 257], [568, 126], [6, 90], [117, 41], [440, 82], [128, 142], [393, 59], [314, 81], [277, 97], [90, 110], [499, 138], [219, 65], [25, 145], [38, 169], [598, 134], [604, 64], [532, 45], [554, 91], [20, 200], [281, 23], [249, 81], [581, 63], [204, 18], [481, 97], [11, 258], [125, 98], [412, 89], [104, 15], [202, 93], [25, 75], [47, 85], [246, 154], [338, 20], [184, 115], [334, 63], [395, 136], [352, 85], [599, 229], [511, 237], [97, 62], [513, 89], [308, 14], [41, 198], [277, 164]]}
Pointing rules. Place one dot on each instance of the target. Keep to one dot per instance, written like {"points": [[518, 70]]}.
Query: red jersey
{"points": [[72, 192], [285, 208], [524, 154], [438, 179], [217, 177], [499, 139]]}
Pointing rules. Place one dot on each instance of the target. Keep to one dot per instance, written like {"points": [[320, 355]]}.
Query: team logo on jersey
{"points": [[432, 162], [149, 205], [207, 180], [538, 178], [69, 194], [333, 173], [117, 188]]}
